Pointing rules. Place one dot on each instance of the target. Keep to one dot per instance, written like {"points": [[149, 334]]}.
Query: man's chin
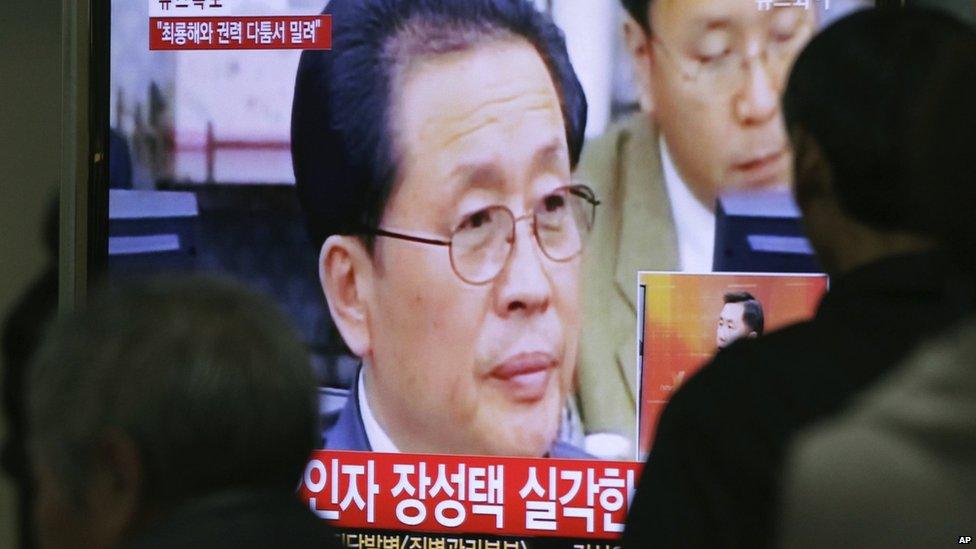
{"points": [[528, 433], [522, 446]]}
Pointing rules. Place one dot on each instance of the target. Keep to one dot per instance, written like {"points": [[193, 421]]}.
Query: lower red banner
{"points": [[498, 496]]}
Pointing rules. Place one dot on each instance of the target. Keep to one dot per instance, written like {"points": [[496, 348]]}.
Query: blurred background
{"points": [[30, 107]]}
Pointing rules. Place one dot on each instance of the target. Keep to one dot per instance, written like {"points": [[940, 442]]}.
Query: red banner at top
{"points": [[288, 32], [471, 494]]}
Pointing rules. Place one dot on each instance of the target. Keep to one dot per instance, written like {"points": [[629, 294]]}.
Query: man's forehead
{"points": [[705, 14], [470, 120], [476, 117], [733, 310], [479, 93], [498, 92]]}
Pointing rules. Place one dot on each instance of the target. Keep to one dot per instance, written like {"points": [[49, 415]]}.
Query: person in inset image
{"points": [[434, 147], [741, 317]]}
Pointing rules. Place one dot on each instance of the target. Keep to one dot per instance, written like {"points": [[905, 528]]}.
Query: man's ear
{"points": [[638, 42], [812, 178], [346, 271], [117, 494]]}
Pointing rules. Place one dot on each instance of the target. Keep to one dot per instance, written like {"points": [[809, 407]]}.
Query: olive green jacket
{"points": [[634, 231]]}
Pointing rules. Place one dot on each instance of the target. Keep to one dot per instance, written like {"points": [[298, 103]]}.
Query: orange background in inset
{"points": [[681, 316]]}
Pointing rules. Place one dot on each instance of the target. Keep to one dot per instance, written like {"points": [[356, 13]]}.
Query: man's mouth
{"points": [[525, 376], [762, 170]]}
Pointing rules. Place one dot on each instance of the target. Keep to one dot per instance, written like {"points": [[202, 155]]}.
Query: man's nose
{"points": [[524, 285], [758, 99]]}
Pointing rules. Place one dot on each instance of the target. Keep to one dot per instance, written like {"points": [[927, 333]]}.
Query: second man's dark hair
{"points": [[208, 379], [941, 156], [855, 90]]}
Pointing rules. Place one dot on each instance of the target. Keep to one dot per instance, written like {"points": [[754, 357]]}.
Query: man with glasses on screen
{"points": [[710, 74], [433, 151], [854, 96]]}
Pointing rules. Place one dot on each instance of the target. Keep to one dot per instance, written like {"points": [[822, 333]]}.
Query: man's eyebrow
{"points": [[477, 172], [704, 22], [486, 173], [547, 154], [703, 25], [480, 173], [714, 23]]}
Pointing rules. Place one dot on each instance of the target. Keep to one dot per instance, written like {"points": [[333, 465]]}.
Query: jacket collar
{"points": [[924, 273], [348, 433], [646, 225]]}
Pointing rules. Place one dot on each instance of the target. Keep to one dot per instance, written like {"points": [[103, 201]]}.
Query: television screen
{"points": [[452, 201]]}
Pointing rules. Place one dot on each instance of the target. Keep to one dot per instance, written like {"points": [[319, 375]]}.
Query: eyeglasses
{"points": [[482, 242], [727, 70]]}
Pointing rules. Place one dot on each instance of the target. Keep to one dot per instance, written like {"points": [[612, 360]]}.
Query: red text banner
{"points": [[563, 498], [287, 32]]}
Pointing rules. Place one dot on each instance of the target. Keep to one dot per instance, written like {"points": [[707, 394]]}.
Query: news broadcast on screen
{"points": [[506, 230]]}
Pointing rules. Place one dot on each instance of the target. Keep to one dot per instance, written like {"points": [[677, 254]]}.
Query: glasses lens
{"points": [[723, 73], [481, 244], [563, 220], [729, 70]]}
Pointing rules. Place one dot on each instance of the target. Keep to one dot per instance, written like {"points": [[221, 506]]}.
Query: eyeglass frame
{"points": [[589, 195], [762, 54]]}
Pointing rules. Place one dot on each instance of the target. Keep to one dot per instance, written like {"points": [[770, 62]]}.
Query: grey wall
{"points": [[30, 39]]}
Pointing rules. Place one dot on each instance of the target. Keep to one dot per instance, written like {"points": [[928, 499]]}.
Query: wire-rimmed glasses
{"points": [[726, 71], [482, 242]]}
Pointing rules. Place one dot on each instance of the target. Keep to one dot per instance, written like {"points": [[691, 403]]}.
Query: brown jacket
{"points": [[634, 231]]}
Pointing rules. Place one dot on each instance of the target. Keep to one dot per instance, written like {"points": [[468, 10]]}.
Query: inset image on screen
{"points": [[687, 318]]}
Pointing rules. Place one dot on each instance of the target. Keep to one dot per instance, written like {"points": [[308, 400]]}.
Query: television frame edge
{"points": [[83, 159]]}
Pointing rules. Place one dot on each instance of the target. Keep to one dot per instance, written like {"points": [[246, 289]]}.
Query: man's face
{"points": [[455, 367], [732, 325], [716, 70]]}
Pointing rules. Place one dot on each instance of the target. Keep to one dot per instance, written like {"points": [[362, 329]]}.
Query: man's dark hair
{"points": [[941, 151], [855, 90], [638, 10], [752, 311], [343, 149], [208, 380]]}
